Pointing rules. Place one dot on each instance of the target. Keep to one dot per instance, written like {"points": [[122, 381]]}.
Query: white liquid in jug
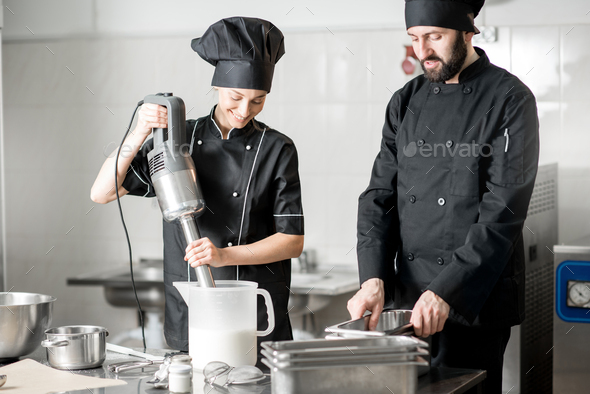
{"points": [[234, 347]]}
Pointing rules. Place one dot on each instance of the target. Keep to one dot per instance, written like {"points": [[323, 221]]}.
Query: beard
{"points": [[452, 67]]}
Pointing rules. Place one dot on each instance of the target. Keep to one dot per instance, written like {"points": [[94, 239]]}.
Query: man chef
{"points": [[440, 224]]}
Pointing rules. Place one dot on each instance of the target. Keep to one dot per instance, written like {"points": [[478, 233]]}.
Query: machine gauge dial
{"points": [[579, 293]]}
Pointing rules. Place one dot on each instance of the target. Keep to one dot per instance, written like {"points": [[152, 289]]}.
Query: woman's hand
{"points": [[203, 252], [151, 116]]}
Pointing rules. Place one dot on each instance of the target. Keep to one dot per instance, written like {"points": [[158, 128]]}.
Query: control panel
{"points": [[572, 291]]}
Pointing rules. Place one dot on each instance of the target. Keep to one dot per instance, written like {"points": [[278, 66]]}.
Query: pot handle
{"points": [[269, 310], [50, 343]]}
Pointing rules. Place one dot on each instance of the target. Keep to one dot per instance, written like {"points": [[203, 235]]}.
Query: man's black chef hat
{"points": [[451, 14], [244, 52]]}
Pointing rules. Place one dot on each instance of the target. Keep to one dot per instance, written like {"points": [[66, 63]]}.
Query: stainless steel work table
{"points": [[437, 381]]}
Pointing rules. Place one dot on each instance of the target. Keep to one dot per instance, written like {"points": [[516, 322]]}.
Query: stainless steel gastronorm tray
{"points": [[391, 322], [343, 347], [398, 378], [350, 359]]}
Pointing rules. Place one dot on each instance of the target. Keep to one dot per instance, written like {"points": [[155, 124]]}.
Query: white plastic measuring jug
{"points": [[223, 321]]}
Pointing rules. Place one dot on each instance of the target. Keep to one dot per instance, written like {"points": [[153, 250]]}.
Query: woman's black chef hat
{"points": [[451, 14], [244, 52]]}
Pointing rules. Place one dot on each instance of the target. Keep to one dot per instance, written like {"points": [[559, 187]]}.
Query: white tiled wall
{"points": [[67, 100]]}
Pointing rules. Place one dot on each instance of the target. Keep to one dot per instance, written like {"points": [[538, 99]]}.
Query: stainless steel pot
{"points": [[75, 347], [23, 319]]}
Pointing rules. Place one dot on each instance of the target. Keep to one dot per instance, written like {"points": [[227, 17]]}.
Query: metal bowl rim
{"points": [[99, 330], [48, 298]]}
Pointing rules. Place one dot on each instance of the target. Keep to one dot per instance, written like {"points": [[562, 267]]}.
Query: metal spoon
{"points": [[2, 380]]}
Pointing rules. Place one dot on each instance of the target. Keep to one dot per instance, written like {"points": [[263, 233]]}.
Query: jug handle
{"points": [[269, 310]]}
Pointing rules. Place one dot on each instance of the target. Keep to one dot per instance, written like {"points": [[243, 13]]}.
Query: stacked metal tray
{"points": [[391, 322], [376, 365]]}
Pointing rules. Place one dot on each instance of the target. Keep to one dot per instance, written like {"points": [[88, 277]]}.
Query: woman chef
{"points": [[248, 173]]}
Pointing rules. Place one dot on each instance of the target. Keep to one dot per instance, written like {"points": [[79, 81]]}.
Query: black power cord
{"points": [[139, 104]]}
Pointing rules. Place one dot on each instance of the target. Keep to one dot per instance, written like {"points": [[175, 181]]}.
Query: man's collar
{"points": [[476, 67]]}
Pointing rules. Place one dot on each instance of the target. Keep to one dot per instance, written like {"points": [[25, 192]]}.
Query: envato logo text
{"points": [[443, 150]]}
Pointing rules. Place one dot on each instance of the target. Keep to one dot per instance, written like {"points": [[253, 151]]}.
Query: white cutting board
{"points": [[30, 377]]}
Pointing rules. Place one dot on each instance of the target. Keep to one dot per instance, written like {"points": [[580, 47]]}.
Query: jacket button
{"points": [[235, 194], [449, 143], [441, 201], [410, 256], [436, 90], [230, 244], [467, 90], [420, 142], [412, 199], [440, 261], [199, 142], [248, 147]]}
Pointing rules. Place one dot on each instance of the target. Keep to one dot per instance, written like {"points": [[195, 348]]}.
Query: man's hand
{"points": [[429, 314], [370, 297]]}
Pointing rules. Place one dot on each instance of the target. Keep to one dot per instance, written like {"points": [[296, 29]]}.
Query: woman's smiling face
{"points": [[237, 107]]}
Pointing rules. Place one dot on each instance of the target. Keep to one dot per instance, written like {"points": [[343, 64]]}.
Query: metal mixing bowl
{"points": [[24, 317]]}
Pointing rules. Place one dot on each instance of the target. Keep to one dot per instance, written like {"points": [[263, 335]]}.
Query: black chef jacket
{"points": [[449, 194], [273, 205]]}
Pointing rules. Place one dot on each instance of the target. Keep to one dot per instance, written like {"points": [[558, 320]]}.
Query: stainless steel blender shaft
{"points": [[191, 233]]}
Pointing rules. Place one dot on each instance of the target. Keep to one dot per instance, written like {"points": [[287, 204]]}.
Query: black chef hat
{"points": [[451, 14], [244, 52]]}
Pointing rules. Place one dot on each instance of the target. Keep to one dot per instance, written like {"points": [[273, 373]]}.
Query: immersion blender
{"points": [[174, 176]]}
